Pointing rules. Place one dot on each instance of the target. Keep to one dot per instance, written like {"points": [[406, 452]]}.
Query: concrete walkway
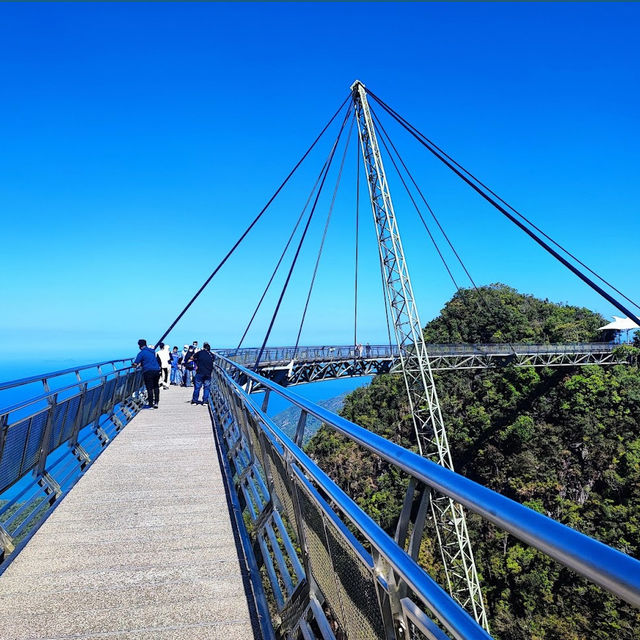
{"points": [[141, 548]]}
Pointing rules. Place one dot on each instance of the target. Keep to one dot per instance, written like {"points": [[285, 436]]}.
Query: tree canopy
{"points": [[498, 313], [565, 442]]}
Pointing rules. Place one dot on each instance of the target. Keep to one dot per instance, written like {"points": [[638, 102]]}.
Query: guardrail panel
{"points": [[22, 444], [107, 396], [12, 452], [65, 429], [319, 554], [64, 417], [282, 488], [34, 440], [90, 405], [343, 574], [120, 388], [356, 583], [26, 443]]}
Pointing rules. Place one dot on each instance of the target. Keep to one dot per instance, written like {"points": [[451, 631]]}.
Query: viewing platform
{"points": [[143, 547]]}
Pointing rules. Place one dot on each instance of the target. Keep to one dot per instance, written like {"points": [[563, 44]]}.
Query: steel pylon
{"points": [[448, 517]]}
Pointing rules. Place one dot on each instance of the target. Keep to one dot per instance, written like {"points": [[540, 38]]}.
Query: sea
{"points": [[17, 369], [19, 400]]}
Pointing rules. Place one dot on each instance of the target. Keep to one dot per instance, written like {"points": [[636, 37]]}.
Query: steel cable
{"points": [[324, 236], [518, 213], [415, 204], [273, 275], [357, 241], [481, 295], [304, 234], [254, 222], [418, 136]]}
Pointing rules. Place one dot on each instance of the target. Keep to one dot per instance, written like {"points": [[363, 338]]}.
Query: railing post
{"points": [[265, 400], [4, 425], [46, 436], [73, 439], [389, 601], [302, 423], [50, 485]]}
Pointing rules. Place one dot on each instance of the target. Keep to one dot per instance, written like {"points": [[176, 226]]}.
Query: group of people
{"points": [[165, 367]]}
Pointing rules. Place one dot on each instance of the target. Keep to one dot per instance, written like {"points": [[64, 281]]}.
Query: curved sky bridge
{"points": [[297, 365]]}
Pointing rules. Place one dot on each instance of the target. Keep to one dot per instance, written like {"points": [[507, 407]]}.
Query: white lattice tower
{"points": [[448, 516]]}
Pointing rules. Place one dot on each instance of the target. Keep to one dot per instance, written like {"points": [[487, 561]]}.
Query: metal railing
{"points": [[284, 355], [51, 436], [331, 570]]}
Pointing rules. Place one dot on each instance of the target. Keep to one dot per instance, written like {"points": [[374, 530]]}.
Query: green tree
{"points": [[564, 441]]}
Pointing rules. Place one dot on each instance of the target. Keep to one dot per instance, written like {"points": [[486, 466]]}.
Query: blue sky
{"points": [[138, 141]]}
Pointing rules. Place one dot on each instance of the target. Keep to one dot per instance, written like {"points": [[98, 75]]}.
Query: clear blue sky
{"points": [[138, 140]]}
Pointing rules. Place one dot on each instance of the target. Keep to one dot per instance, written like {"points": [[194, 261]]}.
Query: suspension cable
{"points": [[324, 235], [304, 234], [417, 135], [478, 291], [415, 204], [518, 213], [253, 223], [273, 275]]}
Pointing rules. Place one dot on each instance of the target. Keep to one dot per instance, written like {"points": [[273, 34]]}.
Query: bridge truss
{"points": [[300, 365]]}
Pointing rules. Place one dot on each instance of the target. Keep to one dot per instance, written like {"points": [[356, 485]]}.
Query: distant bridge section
{"points": [[291, 365]]}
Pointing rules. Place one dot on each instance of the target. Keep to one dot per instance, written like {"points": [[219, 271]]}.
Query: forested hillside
{"points": [[563, 441]]}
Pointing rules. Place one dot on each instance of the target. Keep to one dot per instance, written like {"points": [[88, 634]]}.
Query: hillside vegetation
{"points": [[563, 441]]}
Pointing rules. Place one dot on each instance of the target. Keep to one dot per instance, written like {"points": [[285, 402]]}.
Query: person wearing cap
{"points": [[146, 359], [204, 364]]}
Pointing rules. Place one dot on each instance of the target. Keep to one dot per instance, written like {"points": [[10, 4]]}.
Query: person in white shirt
{"points": [[164, 358]]}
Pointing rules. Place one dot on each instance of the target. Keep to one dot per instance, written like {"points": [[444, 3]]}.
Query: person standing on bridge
{"points": [[204, 368], [146, 359], [175, 366], [164, 356], [188, 366]]}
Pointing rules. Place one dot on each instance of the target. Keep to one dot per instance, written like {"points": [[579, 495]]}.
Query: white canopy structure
{"points": [[620, 324]]}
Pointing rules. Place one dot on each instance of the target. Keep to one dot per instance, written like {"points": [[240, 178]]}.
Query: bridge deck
{"points": [[141, 548]]}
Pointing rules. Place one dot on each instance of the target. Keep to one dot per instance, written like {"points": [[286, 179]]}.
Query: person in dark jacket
{"points": [[146, 359], [188, 366], [204, 368]]}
